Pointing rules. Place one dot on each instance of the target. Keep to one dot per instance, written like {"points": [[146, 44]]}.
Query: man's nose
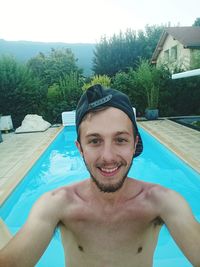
{"points": [[108, 152]]}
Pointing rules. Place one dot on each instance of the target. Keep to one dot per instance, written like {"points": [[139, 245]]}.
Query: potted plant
{"points": [[151, 112], [148, 77]]}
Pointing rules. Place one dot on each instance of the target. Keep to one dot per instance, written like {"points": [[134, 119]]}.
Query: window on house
{"points": [[174, 52], [166, 55]]}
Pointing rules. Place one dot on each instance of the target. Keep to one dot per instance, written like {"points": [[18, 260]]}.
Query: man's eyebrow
{"points": [[122, 132], [115, 134], [92, 135]]}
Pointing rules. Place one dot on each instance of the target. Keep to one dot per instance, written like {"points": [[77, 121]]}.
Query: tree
{"points": [[20, 92], [147, 40], [196, 22], [195, 59], [122, 51], [115, 54], [64, 95], [61, 78], [148, 77], [125, 82], [52, 67]]}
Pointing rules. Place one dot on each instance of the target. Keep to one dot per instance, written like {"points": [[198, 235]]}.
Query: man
{"points": [[108, 220]]}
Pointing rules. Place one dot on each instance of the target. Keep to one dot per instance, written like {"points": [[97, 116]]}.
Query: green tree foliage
{"points": [[54, 66], [114, 54], [195, 59], [63, 96], [125, 82], [147, 40], [104, 80], [196, 22], [122, 51], [20, 91], [148, 77], [61, 78], [179, 97], [176, 97]]}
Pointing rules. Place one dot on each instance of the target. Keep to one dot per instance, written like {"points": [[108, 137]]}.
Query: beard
{"points": [[109, 188]]}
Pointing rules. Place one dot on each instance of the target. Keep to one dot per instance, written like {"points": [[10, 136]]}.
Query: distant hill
{"points": [[24, 50]]}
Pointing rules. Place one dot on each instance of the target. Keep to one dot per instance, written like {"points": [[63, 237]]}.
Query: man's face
{"points": [[107, 146]]}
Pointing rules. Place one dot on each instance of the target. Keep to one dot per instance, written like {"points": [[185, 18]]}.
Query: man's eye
{"points": [[94, 141], [121, 140]]}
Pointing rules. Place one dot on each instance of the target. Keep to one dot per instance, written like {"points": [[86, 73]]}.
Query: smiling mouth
{"points": [[109, 171]]}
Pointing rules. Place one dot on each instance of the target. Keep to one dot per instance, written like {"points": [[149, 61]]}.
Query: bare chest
{"points": [[111, 234]]}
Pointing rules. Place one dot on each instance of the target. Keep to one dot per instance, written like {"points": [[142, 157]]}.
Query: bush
{"points": [[125, 82], [104, 80], [20, 92]]}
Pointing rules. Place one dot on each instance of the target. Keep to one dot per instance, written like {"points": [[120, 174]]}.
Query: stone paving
{"points": [[183, 141]]}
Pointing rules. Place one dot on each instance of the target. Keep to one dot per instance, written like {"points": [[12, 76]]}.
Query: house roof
{"points": [[189, 37]]}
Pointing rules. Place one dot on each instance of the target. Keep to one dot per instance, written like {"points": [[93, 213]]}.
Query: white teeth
{"points": [[109, 170]]}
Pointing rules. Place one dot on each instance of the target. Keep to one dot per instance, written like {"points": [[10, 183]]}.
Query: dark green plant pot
{"points": [[151, 114]]}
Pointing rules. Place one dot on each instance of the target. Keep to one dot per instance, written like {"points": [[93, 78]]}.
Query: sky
{"points": [[87, 21]]}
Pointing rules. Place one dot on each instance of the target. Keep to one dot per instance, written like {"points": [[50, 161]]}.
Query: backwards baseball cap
{"points": [[97, 97]]}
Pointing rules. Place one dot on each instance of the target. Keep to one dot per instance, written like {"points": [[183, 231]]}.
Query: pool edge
{"points": [[163, 140], [23, 170]]}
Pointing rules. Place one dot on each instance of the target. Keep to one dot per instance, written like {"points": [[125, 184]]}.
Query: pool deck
{"points": [[181, 140]]}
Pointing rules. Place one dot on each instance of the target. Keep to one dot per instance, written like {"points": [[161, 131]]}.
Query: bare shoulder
{"points": [[61, 195], [161, 195], [168, 202], [54, 203]]}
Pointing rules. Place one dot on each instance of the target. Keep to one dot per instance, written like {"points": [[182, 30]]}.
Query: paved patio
{"points": [[183, 141]]}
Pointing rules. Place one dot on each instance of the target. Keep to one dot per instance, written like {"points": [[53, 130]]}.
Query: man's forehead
{"points": [[89, 129], [105, 112], [111, 121]]}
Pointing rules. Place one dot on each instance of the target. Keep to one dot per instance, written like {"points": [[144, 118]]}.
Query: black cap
{"points": [[96, 97]]}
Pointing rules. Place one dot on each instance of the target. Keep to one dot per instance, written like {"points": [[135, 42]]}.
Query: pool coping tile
{"points": [[181, 140]]}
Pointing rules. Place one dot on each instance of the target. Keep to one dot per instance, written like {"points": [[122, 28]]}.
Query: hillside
{"points": [[24, 50]]}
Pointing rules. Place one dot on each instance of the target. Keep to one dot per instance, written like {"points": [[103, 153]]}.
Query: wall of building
{"points": [[182, 57]]}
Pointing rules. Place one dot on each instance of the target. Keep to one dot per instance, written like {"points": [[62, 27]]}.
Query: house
{"points": [[178, 46]]}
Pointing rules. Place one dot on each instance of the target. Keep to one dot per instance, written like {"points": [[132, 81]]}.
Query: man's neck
{"points": [[111, 198]]}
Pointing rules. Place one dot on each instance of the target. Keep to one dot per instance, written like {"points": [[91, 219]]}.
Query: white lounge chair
{"points": [[134, 111], [68, 118]]}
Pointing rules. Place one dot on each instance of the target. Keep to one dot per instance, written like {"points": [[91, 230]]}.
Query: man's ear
{"points": [[78, 145], [136, 141]]}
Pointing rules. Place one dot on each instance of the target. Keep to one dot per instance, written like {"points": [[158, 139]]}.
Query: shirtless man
{"points": [[108, 220]]}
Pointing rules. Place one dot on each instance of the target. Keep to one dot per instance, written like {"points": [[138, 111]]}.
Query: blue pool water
{"points": [[61, 164]]}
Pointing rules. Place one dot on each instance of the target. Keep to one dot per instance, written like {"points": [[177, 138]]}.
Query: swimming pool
{"points": [[61, 164]]}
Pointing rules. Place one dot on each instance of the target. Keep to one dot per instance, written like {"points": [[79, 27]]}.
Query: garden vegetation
{"points": [[49, 84]]}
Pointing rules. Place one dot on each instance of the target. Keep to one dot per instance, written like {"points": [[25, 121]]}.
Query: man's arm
{"points": [[28, 245], [178, 217]]}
